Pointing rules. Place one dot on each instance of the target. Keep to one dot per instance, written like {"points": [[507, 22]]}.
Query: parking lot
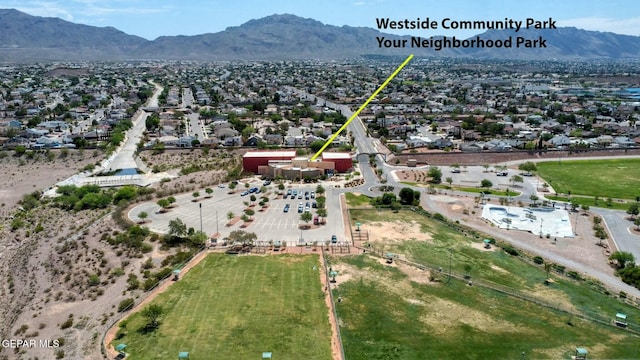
{"points": [[271, 224]]}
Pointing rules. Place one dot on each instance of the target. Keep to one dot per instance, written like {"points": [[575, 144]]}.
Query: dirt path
{"points": [[111, 333], [336, 354]]}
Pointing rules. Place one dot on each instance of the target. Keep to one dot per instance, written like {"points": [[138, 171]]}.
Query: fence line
{"points": [[333, 304]]}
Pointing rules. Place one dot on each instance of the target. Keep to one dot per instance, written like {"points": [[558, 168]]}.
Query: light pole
{"points": [[200, 217], [541, 220], [217, 225]]}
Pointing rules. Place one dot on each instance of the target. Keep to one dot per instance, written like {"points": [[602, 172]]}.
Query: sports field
{"points": [[237, 307], [615, 178], [399, 312]]}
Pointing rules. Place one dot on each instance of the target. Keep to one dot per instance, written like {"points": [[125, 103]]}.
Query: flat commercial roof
{"points": [[336, 155], [263, 154]]}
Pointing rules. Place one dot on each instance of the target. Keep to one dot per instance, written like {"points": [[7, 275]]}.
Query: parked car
{"points": [[244, 193], [286, 208], [334, 239]]}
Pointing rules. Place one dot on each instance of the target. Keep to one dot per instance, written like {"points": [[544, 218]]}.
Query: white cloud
{"points": [[629, 26], [359, 3]]}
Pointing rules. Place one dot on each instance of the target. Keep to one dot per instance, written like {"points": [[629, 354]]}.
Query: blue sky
{"points": [[151, 19]]}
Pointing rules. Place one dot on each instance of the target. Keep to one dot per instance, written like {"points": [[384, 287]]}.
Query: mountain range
{"points": [[26, 38]]}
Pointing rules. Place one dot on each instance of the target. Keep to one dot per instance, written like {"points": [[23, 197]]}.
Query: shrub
{"points": [[67, 324], [125, 304], [510, 250], [538, 260]]}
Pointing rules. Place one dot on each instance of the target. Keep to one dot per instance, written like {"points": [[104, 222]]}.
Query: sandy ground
{"points": [[23, 175], [47, 271]]}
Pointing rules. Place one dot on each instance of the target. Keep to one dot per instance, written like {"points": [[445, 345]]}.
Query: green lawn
{"points": [[615, 178], [357, 201], [236, 307], [386, 315]]}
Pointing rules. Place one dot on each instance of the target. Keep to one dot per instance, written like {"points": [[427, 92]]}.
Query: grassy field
{"points": [[405, 318], [357, 201], [230, 307], [615, 178]]}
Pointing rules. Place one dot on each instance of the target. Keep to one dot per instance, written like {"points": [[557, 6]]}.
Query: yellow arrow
{"points": [[375, 93]]}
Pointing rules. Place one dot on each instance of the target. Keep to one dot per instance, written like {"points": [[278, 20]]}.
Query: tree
{"points": [[163, 203], [449, 180], [230, 215], [242, 236], [633, 210], [486, 183], [408, 196], [177, 228], [143, 215], [636, 222], [534, 198], [528, 166], [152, 314], [198, 238], [516, 179], [232, 186], [315, 146], [322, 212], [306, 217], [319, 190], [486, 167], [195, 195], [623, 259], [435, 174], [171, 200], [209, 191]]}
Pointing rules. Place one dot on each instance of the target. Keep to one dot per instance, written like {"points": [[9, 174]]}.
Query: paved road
{"points": [[618, 226], [364, 144], [195, 126]]}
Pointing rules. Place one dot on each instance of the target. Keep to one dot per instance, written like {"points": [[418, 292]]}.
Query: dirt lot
{"points": [[62, 281], [28, 173]]}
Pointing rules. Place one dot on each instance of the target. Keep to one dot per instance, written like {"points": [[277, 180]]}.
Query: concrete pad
{"points": [[545, 221]]}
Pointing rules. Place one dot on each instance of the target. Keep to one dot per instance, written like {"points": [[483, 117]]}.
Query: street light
{"points": [[200, 217]]}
